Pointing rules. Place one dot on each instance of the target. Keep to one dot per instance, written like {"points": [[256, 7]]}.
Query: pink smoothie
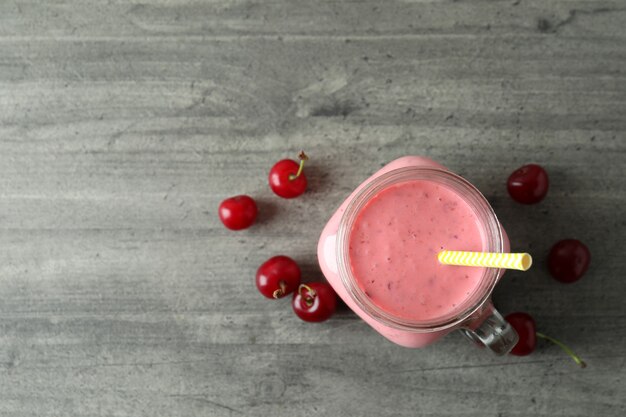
{"points": [[394, 244]]}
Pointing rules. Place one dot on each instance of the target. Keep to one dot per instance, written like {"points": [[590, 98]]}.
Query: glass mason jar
{"points": [[475, 316]]}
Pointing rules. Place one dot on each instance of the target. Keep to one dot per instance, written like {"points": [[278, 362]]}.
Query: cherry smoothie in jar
{"points": [[379, 252]]}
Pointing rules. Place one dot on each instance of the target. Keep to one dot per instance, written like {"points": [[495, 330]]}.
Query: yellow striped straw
{"points": [[521, 261]]}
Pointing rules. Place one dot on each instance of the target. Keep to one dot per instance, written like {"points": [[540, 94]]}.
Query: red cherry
{"points": [[528, 184], [568, 260], [524, 325], [287, 179], [278, 276], [238, 212], [314, 302]]}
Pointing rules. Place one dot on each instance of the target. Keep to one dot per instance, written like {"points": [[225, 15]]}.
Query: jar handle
{"points": [[492, 331]]}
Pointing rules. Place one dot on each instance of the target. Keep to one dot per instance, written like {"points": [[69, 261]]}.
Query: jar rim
{"points": [[487, 220]]}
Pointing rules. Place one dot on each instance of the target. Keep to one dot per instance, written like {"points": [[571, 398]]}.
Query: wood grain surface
{"points": [[124, 124]]}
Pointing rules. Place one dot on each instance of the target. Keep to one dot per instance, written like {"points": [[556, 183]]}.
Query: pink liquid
{"points": [[394, 244]]}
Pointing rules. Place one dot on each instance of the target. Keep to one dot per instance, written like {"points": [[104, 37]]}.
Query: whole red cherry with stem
{"points": [[528, 184], [278, 276], [568, 260], [287, 178], [524, 325], [314, 302], [238, 212]]}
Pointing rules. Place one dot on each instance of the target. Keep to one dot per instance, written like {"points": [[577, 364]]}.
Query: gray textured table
{"points": [[123, 125]]}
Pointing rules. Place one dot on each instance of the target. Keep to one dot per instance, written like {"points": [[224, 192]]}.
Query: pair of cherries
{"points": [[568, 259], [280, 276], [286, 179]]}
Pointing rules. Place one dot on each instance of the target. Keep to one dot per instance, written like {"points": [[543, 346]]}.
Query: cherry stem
{"points": [[281, 291], [308, 298], [302, 157], [565, 348]]}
